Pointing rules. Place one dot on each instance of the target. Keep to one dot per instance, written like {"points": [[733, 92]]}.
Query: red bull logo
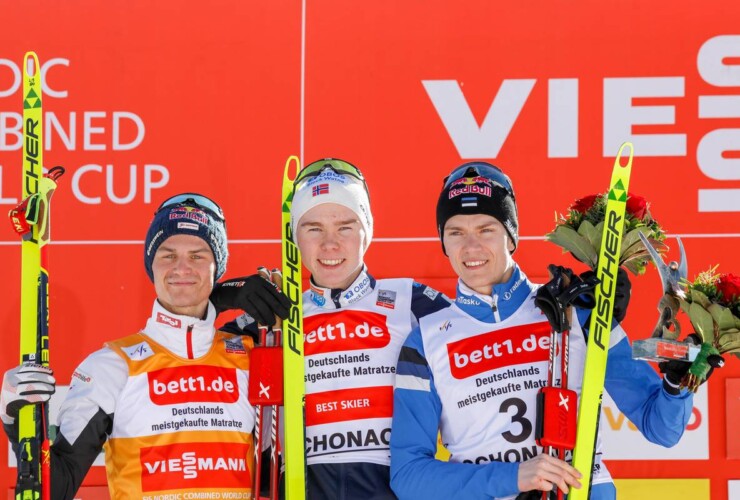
{"points": [[470, 189], [191, 213], [469, 181]]}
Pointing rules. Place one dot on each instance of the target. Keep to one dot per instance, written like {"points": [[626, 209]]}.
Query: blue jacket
{"points": [[415, 473]]}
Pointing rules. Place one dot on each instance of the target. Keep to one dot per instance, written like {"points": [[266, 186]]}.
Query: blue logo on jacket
{"points": [[317, 299]]}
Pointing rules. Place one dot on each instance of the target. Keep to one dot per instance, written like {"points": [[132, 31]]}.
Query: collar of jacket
{"points": [[504, 300], [337, 298], [185, 336]]}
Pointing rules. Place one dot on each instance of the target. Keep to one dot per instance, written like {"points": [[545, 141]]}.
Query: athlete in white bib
{"points": [[169, 402], [354, 328], [472, 371]]}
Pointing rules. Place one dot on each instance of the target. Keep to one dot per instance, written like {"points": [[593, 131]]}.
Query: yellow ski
{"points": [[31, 220], [294, 447], [28, 485], [594, 371]]}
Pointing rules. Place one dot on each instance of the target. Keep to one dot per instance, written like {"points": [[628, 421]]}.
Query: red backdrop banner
{"points": [[143, 100]]}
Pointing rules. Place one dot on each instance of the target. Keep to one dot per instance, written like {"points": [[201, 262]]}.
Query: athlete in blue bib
{"points": [[472, 371]]}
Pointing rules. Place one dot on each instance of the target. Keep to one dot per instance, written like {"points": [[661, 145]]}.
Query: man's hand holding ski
{"points": [[25, 384], [544, 473]]}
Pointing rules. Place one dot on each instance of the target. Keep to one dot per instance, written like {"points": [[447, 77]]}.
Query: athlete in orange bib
{"points": [[168, 403]]}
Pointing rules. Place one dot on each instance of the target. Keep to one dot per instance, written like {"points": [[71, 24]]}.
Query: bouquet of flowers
{"points": [[712, 302], [579, 231]]}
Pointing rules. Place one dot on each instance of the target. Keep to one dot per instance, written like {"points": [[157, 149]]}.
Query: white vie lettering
{"points": [[471, 140], [620, 115], [715, 153]]}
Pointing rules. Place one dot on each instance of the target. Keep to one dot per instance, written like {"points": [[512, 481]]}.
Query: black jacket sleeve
{"points": [[70, 462]]}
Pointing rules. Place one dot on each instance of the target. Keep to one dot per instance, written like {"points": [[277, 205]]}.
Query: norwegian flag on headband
{"points": [[320, 189]]}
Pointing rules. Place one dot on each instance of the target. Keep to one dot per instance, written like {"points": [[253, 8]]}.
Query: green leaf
{"points": [[600, 231], [636, 267], [729, 342], [702, 321], [636, 249], [588, 231], [722, 316], [633, 237], [685, 305], [639, 246], [638, 260], [700, 298], [574, 243]]}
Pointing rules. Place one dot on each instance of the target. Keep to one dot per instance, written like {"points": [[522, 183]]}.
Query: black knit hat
{"points": [[478, 188], [193, 214]]}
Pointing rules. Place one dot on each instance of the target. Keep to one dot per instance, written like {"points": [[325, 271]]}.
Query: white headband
{"points": [[331, 187]]}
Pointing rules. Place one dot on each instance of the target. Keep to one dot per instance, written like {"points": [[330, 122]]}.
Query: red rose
{"points": [[637, 206], [729, 287], [582, 205]]}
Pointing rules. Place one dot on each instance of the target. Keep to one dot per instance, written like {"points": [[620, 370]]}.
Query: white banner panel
{"points": [[622, 440]]}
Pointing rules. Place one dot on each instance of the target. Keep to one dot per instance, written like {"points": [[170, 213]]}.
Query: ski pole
{"points": [[259, 419], [551, 377], [277, 330], [562, 395], [556, 404], [266, 389], [564, 385]]}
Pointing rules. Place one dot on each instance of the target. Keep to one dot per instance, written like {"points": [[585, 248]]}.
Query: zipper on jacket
{"points": [[189, 341], [494, 308]]}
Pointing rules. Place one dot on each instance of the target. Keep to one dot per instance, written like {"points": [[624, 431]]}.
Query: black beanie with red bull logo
{"points": [[478, 188]]}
